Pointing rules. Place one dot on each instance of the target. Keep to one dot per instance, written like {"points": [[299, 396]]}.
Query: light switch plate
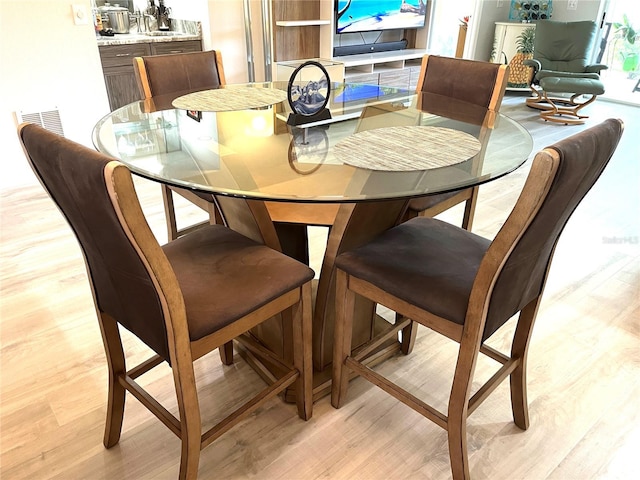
{"points": [[80, 15], [572, 5]]}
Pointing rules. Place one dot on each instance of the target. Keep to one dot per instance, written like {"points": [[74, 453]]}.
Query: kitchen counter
{"points": [[181, 30], [132, 38]]}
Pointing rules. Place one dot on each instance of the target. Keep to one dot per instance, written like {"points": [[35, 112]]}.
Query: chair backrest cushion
{"points": [[73, 175], [564, 46], [182, 71], [583, 158], [469, 81]]}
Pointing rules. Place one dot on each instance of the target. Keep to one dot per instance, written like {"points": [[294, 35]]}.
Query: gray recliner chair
{"points": [[561, 64]]}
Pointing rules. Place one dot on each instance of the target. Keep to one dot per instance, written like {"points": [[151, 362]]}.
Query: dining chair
{"points": [[163, 75], [470, 81], [183, 300], [466, 287]]}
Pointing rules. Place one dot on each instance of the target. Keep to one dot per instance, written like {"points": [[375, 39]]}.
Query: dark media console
{"points": [[369, 48]]}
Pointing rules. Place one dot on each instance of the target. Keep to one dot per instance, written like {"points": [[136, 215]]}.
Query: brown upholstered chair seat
{"points": [[426, 262], [238, 267]]}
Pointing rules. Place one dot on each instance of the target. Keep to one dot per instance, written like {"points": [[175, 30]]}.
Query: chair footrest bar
{"points": [[362, 352], [492, 384], [230, 421], [495, 354], [262, 352], [405, 397], [152, 404], [145, 366]]}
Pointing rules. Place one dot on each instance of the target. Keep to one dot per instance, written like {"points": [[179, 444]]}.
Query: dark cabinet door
{"points": [[121, 86], [117, 66]]}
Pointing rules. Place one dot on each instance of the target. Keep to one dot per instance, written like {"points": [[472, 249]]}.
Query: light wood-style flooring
{"points": [[584, 367]]}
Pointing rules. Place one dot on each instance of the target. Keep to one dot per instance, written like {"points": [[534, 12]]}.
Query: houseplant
{"points": [[519, 73], [630, 50]]}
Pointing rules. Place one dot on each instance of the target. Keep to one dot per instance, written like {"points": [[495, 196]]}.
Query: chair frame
{"points": [[183, 351], [558, 109], [467, 195], [294, 305], [570, 106], [469, 335], [173, 232]]}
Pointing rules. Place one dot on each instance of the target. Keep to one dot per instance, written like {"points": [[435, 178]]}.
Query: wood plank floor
{"points": [[584, 369]]}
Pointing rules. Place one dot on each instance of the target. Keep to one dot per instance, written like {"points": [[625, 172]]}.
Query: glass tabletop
{"points": [[253, 153]]}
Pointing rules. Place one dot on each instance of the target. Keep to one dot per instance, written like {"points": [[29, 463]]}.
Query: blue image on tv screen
{"points": [[358, 92], [372, 15]]}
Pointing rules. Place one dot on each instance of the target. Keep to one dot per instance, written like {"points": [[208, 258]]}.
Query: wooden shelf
{"points": [[301, 23]]}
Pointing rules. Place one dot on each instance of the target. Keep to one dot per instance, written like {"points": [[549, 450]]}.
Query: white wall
{"points": [[46, 61], [587, 10], [482, 26]]}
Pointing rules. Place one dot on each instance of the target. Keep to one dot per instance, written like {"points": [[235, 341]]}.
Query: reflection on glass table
{"points": [[248, 153]]}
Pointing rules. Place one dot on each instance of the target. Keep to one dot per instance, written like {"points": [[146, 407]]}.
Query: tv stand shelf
{"points": [[397, 68], [398, 57]]}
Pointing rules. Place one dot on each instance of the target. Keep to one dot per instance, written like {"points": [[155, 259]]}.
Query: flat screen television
{"points": [[354, 16]]}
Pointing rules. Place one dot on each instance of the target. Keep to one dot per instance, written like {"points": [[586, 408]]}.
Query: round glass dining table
{"points": [[354, 172]]}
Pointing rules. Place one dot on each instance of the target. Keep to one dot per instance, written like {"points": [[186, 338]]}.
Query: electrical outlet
{"points": [[572, 5], [80, 15], [499, 3]]}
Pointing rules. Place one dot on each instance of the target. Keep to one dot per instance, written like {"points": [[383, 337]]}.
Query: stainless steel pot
{"points": [[118, 19]]}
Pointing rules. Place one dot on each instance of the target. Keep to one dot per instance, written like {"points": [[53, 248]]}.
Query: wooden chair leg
{"points": [[518, 378], [215, 217], [409, 334], [457, 420], [190, 421], [457, 438], [117, 367], [170, 213], [302, 353], [470, 209], [226, 353], [345, 301], [189, 458], [459, 406]]}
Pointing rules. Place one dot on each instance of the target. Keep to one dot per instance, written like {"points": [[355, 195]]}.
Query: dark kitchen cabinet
{"points": [[117, 66], [184, 46]]}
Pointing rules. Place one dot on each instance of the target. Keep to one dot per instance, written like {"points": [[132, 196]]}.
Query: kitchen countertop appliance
{"points": [[116, 17]]}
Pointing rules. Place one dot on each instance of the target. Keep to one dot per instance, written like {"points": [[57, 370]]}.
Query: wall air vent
{"points": [[49, 120]]}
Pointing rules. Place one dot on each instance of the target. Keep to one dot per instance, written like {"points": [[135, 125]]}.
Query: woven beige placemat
{"points": [[406, 148], [230, 98]]}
